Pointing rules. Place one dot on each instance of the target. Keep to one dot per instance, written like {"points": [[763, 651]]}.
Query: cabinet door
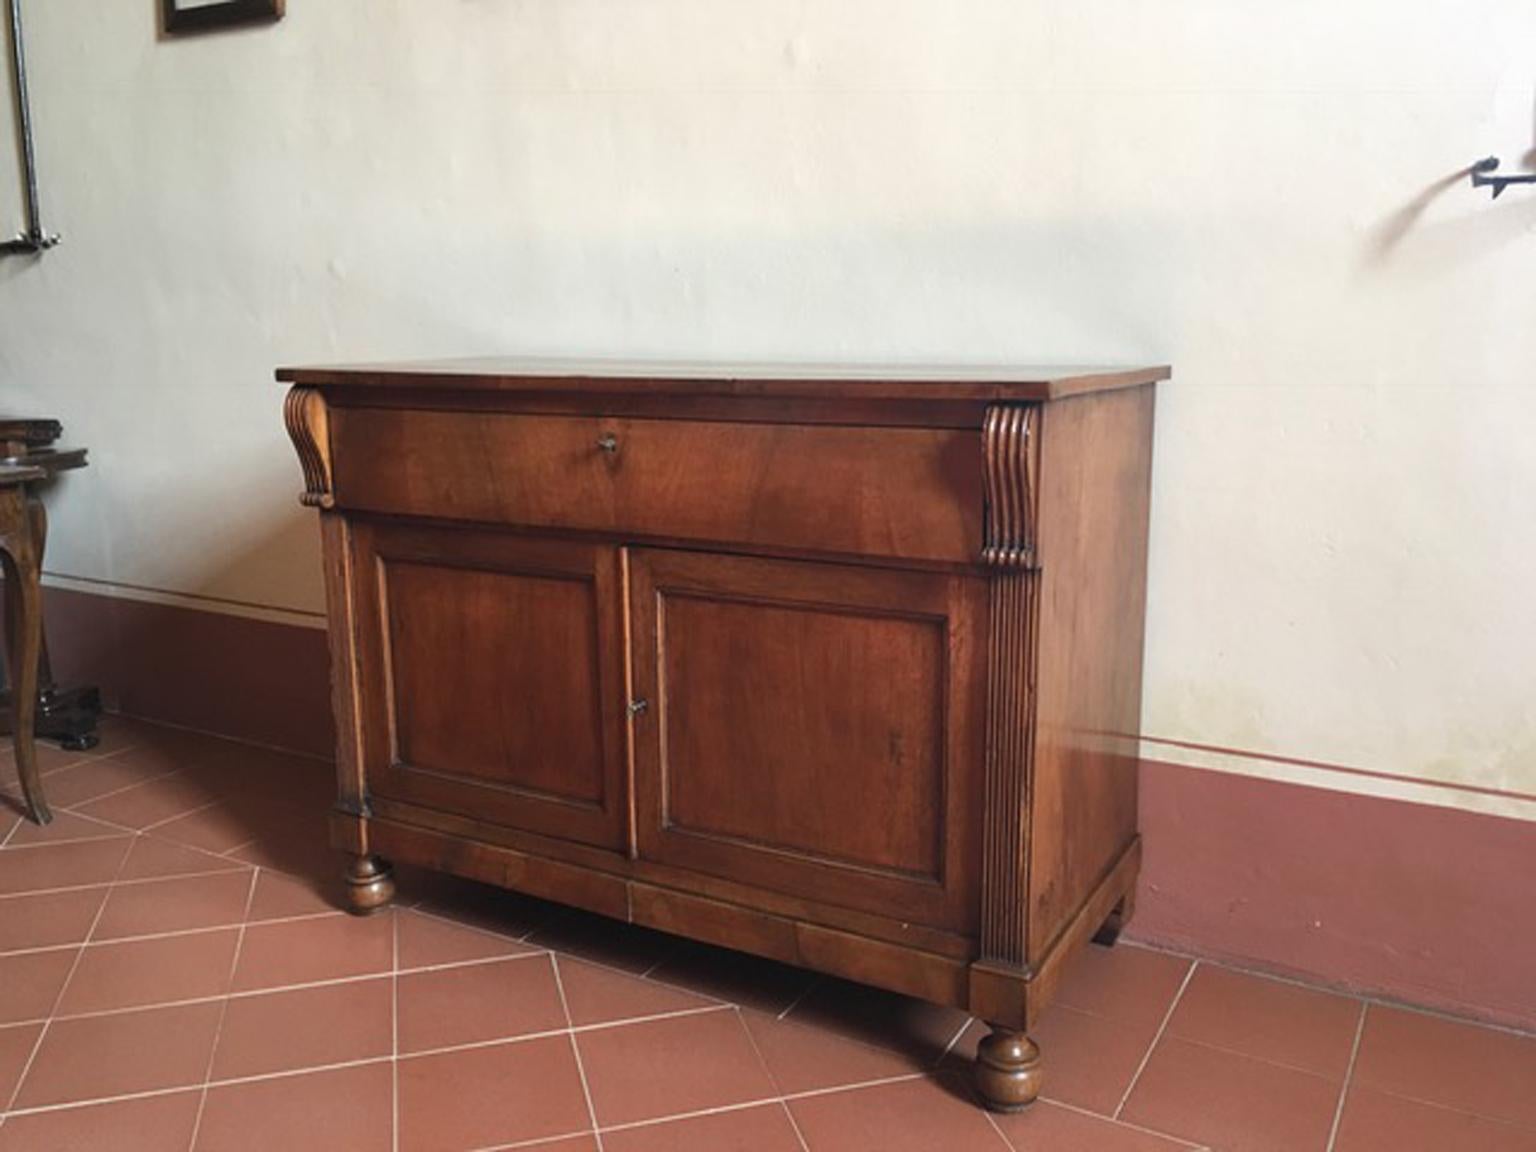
{"points": [[493, 677], [813, 729]]}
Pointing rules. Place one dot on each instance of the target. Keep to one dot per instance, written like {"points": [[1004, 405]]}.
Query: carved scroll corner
{"points": [[308, 422], [1010, 452]]}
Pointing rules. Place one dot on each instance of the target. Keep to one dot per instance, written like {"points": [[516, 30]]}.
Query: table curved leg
{"points": [[24, 612]]}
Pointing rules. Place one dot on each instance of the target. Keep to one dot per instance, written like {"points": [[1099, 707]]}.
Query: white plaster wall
{"points": [[1263, 194]]}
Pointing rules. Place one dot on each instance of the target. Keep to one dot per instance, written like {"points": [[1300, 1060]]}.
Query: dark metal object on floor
{"points": [[66, 715]]}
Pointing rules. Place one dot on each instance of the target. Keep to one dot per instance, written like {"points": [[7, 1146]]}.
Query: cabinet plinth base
{"points": [[1008, 1070], [370, 884]]}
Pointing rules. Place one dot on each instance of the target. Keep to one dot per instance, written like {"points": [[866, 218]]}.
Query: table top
{"points": [[895, 381], [13, 474], [46, 461]]}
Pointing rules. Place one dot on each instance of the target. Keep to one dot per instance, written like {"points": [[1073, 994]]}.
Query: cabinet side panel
{"points": [[1096, 457]]}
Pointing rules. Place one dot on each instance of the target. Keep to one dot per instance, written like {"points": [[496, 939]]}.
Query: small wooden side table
{"points": [[21, 553], [68, 715]]}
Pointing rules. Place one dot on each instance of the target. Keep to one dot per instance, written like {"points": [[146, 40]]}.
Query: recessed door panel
{"points": [[804, 728], [500, 666], [508, 715]]}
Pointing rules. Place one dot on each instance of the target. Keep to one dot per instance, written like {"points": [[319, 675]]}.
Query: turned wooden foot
{"points": [[1008, 1071], [370, 884]]}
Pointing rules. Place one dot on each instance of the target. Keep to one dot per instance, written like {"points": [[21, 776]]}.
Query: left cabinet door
{"points": [[492, 677]]}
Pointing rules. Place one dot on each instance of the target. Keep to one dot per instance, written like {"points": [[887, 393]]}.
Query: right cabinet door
{"points": [[812, 729]]}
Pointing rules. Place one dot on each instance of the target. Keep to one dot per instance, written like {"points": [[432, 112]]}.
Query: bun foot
{"points": [[370, 884], [1008, 1071]]}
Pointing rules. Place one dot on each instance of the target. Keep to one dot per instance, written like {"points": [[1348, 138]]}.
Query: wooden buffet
{"points": [[839, 666]]}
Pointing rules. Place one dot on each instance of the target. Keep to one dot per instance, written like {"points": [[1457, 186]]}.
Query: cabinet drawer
{"points": [[901, 492]]}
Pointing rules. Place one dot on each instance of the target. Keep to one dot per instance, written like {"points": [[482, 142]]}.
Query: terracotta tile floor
{"points": [[174, 975]]}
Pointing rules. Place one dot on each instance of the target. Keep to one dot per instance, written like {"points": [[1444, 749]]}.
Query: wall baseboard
{"points": [[1414, 902], [252, 679]]}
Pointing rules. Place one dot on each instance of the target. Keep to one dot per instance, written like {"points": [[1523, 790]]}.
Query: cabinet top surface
{"points": [[897, 381]]}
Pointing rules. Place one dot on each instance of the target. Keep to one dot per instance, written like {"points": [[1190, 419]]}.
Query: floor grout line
{"points": [[110, 832], [795, 1124], [1161, 1028], [581, 1070], [577, 958], [250, 993], [74, 808], [42, 1035], [814, 983], [183, 815], [953, 1040], [214, 737], [1349, 1073], [878, 1082], [218, 1030], [1343, 993], [668, 985], [1089, 1112], [676, 949], [130, 882], [772, 1079], [1437, 1014], [757, 1051], [177, 1089], [490, 932], [1001, 1135], [394, 1035], [1267, 1061], [16, 850], [174, 933], [535, 1142], [696, 1114], [368, 1061], [20, 820], [1523, 1127], [229, 853]]}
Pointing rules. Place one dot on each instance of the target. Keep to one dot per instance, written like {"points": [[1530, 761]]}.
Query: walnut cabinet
{"points": [[836, 666]]}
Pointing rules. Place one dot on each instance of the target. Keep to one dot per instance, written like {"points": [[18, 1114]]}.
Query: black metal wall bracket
{"points": [[1483, 177], [36, 238], [27, 244]]}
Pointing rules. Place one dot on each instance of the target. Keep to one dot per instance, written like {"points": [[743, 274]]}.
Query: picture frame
{"points": [[181, 16]]}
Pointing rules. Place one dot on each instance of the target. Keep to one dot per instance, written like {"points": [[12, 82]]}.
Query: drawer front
{"points": [[492, 677], [811, 729], [897, 492]]}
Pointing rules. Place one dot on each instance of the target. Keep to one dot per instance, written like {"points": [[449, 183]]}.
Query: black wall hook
{"points": [[1482, 177], [36, 238]]}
